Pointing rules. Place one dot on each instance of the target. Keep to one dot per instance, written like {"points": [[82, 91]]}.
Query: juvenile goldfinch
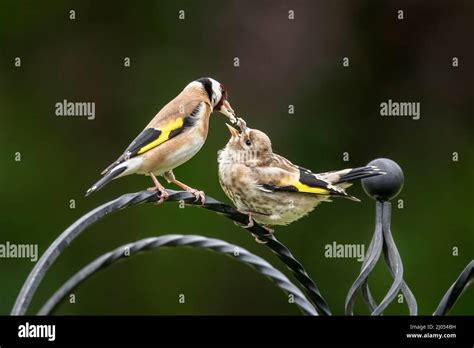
{"points": [[271, 189], [172, 137]]}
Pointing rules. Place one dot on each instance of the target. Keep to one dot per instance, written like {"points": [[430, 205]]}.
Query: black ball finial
{"points": [[384, 187]]}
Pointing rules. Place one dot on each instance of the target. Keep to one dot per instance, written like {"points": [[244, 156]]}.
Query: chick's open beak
{"points": [[226, 109], [234, 132]]}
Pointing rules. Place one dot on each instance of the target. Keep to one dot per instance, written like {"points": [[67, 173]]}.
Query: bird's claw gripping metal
{"points": [[200, 196], [163, 194]]}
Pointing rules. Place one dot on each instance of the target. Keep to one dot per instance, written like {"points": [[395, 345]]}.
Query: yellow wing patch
{"points": [[165, 133], [308, 189]]}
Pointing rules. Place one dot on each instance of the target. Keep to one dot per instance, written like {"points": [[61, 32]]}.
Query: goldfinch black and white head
{"points": [[217, 95]]}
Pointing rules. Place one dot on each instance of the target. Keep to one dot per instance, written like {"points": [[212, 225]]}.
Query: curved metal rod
{"points": [[62, 241], [382, 238], [454, 292], [366, 294], [409, 297], [369, 262], [395, 259], [372, 304], [147, 244], [376, 240]]}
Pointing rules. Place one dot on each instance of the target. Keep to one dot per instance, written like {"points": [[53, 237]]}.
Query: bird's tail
{"points": [[344, 178], [108, 177], [349, 175]]}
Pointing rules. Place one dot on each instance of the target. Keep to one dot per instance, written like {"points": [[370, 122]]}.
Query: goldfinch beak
{"points": [[233, 132], [226, 110]]}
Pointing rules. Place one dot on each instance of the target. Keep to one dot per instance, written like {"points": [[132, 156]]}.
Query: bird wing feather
{"points": [[282, 175], [168, 123]]}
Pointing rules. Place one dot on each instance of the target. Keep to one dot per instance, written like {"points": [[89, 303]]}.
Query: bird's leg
{"points": [[270, 232], [268, 228], [258, 240], [159, 188], [200, 196], [249, 224]]}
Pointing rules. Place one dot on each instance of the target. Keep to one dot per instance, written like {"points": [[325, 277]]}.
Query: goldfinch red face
{"points": [[218, 97]]}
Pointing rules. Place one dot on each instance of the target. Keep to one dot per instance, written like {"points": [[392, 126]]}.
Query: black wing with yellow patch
{"points": [[152, 137], [307, 183], [145, 138]]}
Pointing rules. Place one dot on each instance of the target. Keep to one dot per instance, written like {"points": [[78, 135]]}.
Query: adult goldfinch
{"points": [[172, 137], [271, 189]]}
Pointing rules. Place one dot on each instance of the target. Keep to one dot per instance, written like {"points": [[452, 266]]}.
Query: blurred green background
{"points": [[282, 62]]}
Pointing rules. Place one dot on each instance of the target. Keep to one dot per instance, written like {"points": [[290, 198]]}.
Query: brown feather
{"points": [[181, 106]]}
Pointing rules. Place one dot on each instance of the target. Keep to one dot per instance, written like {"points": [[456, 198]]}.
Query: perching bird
{"points": [[172, 137], [271, 189]]}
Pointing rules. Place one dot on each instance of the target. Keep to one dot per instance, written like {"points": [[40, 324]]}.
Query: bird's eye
{"points": [[248, 142]]}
